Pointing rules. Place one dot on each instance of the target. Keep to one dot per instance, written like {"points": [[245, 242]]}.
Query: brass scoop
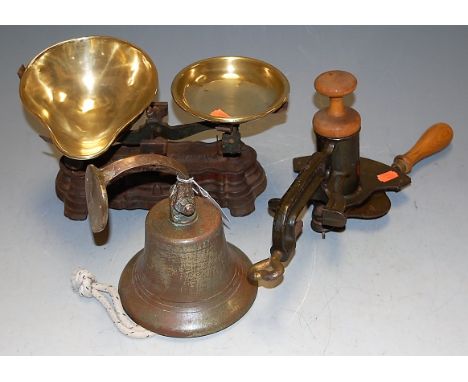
{"points": [[87, 90]]}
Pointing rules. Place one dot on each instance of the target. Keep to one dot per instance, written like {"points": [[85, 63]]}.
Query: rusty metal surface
{"points": [[234, 182]]}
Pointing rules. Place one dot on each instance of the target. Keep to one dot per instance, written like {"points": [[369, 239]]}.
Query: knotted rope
{"points": [[85, 284]]}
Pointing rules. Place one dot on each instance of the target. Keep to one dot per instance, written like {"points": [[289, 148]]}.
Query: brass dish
{"points": [[230, 89], [87, 90]]}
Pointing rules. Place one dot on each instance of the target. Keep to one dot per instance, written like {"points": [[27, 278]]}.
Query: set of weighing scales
{"points": [[93, 93]]}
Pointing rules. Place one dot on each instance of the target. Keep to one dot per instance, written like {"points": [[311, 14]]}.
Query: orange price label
{"points": [[387, 176], [220, 113]]}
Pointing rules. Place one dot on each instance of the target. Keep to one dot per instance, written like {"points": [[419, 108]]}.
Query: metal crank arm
{"points": [[286, 227]]}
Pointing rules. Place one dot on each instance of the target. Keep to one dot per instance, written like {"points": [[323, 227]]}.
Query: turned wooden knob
{"points": [[434, 139], [337, 120]]}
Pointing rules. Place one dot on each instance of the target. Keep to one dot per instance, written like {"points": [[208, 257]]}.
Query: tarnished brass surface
{"points": [[87, 90], [96, 197], [96, 181], [269, 269], [187, 281], [243, 88]]}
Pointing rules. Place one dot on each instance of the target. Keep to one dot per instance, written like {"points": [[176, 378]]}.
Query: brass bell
{"points": [[187, 281]]}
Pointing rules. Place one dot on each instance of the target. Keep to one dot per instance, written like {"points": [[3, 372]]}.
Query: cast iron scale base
{"points": [[228, 169]]}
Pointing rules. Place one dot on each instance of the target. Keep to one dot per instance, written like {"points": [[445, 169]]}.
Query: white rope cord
{"points": [[85, 284], [200, 190]]}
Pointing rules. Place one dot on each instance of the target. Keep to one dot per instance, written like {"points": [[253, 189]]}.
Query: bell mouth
{"points": [[188, 319], [230, 89], [87, 90]]}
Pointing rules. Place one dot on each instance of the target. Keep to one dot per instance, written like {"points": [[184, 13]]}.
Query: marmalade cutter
{"points": [[336, 180]]}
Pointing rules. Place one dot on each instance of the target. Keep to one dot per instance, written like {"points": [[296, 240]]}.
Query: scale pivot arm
{"points": [[153, 129], [231, 140]]}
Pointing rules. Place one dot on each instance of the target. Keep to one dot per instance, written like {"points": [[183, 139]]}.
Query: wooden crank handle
{"points": [[434, 139]]}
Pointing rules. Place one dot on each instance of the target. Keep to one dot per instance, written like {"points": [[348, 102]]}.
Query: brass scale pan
{"points": [[86, 91]]}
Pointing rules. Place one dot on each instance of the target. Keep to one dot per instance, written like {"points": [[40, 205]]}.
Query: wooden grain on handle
{"points": [[434, 139]]}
